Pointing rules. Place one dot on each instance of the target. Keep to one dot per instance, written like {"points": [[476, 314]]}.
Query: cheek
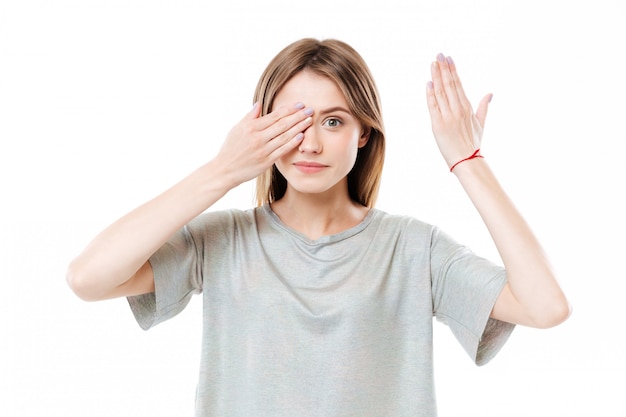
{"points": [[280, 165], [352, 144], [346, 150]]}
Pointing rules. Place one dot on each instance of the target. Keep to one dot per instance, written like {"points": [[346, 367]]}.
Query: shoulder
{"points": [[403, 230], [222, 221], [402, 223], [413, 226], [413, 233]]}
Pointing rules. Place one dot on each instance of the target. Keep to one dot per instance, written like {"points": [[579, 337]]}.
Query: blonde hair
{"points": [[342, 64]]}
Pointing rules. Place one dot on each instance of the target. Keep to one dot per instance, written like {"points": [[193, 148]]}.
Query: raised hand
{"points": [[457, 129], [255, 143]]}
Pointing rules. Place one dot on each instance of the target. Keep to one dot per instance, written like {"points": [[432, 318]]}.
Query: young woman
{"points": [[316, 303]]}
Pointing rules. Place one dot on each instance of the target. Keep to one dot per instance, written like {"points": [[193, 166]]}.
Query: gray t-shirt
{"points": [[334, 327]]}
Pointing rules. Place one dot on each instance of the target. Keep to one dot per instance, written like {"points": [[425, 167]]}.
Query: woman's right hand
{"points": [[116, 263], [255, 143]]}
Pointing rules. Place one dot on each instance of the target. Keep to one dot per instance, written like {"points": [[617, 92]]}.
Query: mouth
{"points": [[309, 167]]}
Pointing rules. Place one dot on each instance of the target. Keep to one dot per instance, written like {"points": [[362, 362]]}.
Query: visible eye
{"points": [[332, 122]]}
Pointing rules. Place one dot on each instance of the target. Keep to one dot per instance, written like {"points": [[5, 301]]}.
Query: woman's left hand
{"points": [[457, 129]]}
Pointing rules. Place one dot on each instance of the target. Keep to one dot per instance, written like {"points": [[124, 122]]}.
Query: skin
{"points": [[115, 263], [316, 202], [532, 296]]}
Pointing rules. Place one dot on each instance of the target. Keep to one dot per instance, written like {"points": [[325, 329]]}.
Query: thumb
{"points": [[481, 112]]}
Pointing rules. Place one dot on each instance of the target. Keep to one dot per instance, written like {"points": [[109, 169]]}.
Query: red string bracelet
{"points": [[476, 154]]}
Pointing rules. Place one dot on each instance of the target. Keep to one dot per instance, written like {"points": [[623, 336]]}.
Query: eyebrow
{"points": [[334, 109]]}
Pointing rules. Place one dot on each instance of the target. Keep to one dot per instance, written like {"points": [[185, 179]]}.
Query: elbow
{"points": [[553, 314], [78, 281]]}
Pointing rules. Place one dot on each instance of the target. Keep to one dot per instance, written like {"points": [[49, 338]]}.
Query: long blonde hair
{"points": [[342, 64]]}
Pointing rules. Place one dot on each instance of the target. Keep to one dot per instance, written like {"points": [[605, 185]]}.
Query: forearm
{"points": [[115, 262], [120, 250], [538, 297]]}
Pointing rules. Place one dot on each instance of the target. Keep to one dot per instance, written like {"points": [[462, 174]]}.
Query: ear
{"points": [[365, 136]]}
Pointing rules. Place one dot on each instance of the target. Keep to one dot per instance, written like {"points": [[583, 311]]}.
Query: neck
{"points": [[317, 215]]}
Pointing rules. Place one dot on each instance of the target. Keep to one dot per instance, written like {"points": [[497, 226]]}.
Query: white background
{"points": [[104, 104]]}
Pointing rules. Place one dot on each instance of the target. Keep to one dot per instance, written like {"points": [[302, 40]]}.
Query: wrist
{"points": [[207, 184], [472, 170], [475, 155], [218, 176]]}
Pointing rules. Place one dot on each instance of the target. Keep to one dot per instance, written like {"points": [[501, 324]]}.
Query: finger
{"points": [[431, 100], [287, 147], [483, 106], [287, 141], [439, 94], [458, 85], [287, 123], [448, 83], [285, 136], [278, 114]]}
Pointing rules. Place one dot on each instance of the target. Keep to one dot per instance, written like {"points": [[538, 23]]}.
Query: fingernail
{"points": [[430, 85], [490, 97], [450, 61], [299, 105], [299, 137], [440, 58], [308, 111]]}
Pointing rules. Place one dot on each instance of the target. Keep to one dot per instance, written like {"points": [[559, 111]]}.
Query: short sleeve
{"points": [[465, 288], [177, 269]]}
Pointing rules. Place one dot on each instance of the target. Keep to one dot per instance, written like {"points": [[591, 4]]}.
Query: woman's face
{"points": [[328, 151]]}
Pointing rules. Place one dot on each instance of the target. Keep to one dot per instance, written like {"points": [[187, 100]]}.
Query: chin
{"points": [[309, 189]]}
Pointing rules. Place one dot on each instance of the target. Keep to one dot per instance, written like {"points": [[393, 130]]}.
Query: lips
{"points": [[309, 164], [309, 167]]}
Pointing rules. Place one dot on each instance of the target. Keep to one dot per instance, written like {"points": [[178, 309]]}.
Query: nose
{"points": [[311, 142]]}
